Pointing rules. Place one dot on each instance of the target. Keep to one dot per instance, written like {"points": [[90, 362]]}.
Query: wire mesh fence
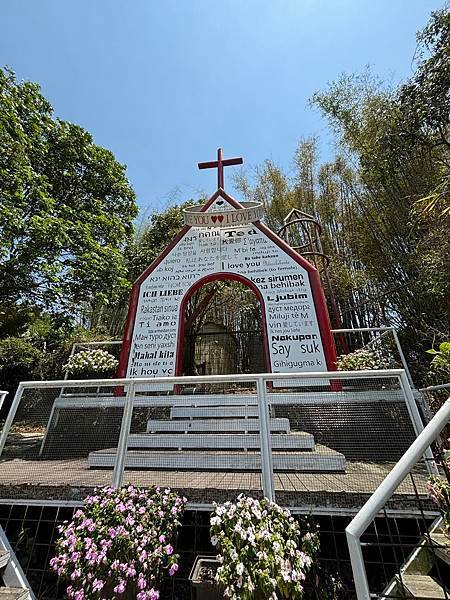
{"points": [[342, 439], [382, 342], [328, 443], [52, 433], [412, 562], [213, 437]]}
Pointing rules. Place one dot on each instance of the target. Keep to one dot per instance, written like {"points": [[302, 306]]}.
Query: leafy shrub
{"points": [[361, 360], [19, 361], [263, 552], [91, 362], [119, 545], [439, 371]]}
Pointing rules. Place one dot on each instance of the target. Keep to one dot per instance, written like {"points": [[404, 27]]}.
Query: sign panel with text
{"points": [[295, 320]]}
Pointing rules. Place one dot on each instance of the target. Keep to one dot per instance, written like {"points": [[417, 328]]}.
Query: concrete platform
{"points": [[72, 479]]}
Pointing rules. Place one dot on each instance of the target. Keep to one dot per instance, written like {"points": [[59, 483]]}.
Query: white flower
{"points": [[239, 568], [214, 540]]}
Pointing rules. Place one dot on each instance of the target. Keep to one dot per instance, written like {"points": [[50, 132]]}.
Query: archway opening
{"points": [[223, 329]]}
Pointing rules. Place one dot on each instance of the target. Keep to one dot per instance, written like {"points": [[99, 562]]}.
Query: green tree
{"points": [[153, 236], [66, 207]]}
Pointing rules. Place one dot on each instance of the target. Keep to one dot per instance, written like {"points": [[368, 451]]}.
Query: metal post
{"points": [[10, 417], [264, 434], [358, 568], [417, 421], [402, 357], [122, 445]]}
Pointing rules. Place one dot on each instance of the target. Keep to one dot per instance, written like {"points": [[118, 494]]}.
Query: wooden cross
{"points": [[220, 163]]}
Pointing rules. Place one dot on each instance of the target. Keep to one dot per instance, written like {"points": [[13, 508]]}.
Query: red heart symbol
{"points": [[213, 219], [220, 218]]}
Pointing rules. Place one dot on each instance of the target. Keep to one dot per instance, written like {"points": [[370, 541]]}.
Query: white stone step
{"points": [[219, 425], [422, 586], [321, 460], [12, 593], [280, 441], [212, 412], [441, 546]]}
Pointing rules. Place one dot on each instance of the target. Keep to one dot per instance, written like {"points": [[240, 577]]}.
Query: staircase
{"points": [[421, 575], [201, 434], [13, 583]]}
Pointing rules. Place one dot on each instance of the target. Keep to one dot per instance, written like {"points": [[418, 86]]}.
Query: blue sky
{"points": [[163, 83]]}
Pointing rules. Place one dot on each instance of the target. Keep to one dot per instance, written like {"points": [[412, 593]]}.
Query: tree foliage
{"points": [[66, 206], [390, 262]]}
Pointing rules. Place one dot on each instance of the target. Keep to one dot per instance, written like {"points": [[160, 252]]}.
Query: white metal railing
{"points": [[384, 492], [381, 332], [264, 400], [436, 388], [3, 395]]}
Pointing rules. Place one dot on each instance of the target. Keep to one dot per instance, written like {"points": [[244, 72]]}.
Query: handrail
{"points": [[232, 378], [435, 388], [382, 494], [3, 395]]}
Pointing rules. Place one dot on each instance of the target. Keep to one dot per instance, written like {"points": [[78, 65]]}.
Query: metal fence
{"points": [[222, 352], [304, 440], [408, 570], [383, 341]]}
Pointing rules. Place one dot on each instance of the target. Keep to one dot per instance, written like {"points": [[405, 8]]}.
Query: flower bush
{"points": [[263, 553], [361, 360], [439, 492], [120, 544], [91, 362]]}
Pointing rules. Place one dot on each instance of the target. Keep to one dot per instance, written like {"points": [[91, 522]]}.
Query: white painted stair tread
{"points": [[321, 459], [68, 401], [423, 586], [4, 557], [219, 425], [280, 441], [210, 412], [10, 593]]}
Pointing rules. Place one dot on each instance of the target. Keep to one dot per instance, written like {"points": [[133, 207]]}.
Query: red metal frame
{"points": [[198, 284], [316, 289]]}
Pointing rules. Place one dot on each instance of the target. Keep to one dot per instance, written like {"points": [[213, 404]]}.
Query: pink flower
{"points": [[142, 584], [97, 585], [173, 569], [168, 549], [120, 588]]}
